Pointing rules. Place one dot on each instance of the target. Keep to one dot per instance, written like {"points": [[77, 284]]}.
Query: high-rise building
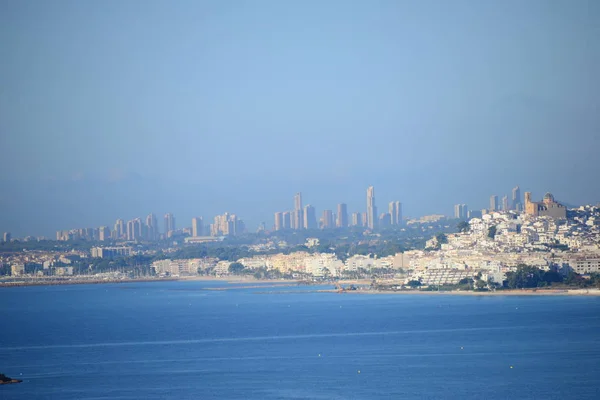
{"points": [[516, 199], [151, 227], [342, 216], [461, 211], [278, 221], [385, 220], [119, 229], [310, 217], [169, 223], [130, 230], [298, 212], [287, 220], [458, 211], [327, 219], [134, 229], [356, 219], [197, 227], [6, 237], [103, 233], [395, 211], [493, 203], [363, 219], [505, 203], [371, 209], [227, 225]]}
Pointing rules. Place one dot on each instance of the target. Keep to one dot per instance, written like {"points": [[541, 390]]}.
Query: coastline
{"points": [[252, 283], [99, 281], [510, 292]]}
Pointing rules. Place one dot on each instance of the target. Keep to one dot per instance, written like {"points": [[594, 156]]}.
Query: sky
{"points": [[115, 109]]}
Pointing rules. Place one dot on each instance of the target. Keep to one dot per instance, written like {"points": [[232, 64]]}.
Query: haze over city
{"points": [[118, 109]]}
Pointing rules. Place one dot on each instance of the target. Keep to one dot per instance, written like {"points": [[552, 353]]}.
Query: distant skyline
{"points": [[118, 109], [325, 212]]}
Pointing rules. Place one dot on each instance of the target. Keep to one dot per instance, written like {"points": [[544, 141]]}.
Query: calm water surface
{"points": [[174, 340]]}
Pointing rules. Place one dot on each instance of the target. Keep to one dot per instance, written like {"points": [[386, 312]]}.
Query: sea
{"points": [[214, 340]]}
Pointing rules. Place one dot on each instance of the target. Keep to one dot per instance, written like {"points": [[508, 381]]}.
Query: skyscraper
{"points": [[327, 219], [103, 233], [461, 211], [371, 209], [227, 225], [516, 198], [197, 226], [6, 237], [298, 212], [287, 220], [505, 203], [342, 216], [278, 221], [356, 219], [310, 217], [169, 223], [395, 211], [151, 227], [134, 229], [385, 220], [493, 203], [130, 230], [119, 229], [458, 211]]}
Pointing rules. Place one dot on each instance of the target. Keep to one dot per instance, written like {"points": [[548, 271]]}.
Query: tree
{"points": [[491, 284], [526, 276], [492, 232], [466, 284], [414, 283], [551, 277], [463, 226], [480, 284], [235, 268], [441, 238]]}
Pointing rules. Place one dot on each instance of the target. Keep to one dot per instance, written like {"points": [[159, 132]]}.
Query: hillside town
{"points": [[487, 247]]}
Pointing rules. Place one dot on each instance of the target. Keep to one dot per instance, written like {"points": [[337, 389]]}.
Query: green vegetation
{"points": [[235, 268], [441, 238], [527, 276], [492, 232], [463, 226], [414, 284]]}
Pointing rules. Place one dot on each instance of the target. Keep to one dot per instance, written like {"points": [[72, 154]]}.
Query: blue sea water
{"points": [[175, 340]]}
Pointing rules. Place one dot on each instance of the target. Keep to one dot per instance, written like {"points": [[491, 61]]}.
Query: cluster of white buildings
{"points": [[519, 238], [53, 263], [316, 264], [183, 266], [494, 244]]}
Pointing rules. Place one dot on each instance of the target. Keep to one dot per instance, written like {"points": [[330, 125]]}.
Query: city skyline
{"points": [[222, 183], [163, 126], [147, 229]]}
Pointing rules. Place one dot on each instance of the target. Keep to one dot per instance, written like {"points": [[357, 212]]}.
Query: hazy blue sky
{"points": [[120, 108]]}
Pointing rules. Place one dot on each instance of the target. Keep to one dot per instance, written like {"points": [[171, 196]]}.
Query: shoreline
{"points": [[252, 283], [510, 292], [100, 281]]}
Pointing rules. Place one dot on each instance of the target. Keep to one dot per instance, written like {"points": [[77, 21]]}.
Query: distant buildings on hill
{"points": [[546, 208], [302, 217], [369, 219]]}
